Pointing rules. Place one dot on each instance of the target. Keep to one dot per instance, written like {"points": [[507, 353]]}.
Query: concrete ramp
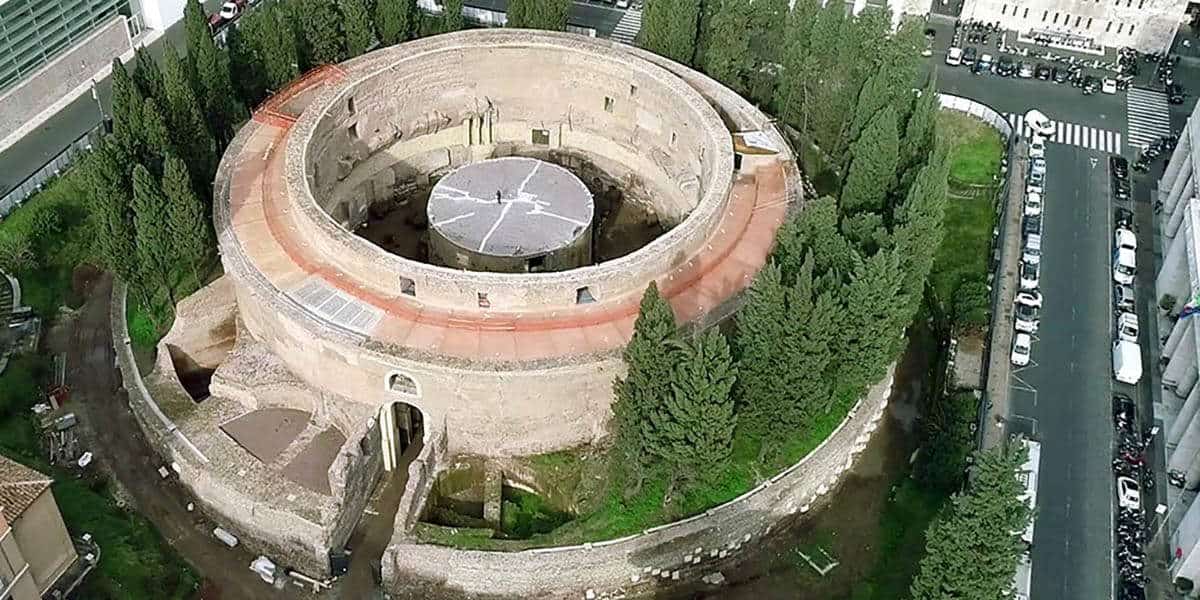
{"points": [[266, 432]]}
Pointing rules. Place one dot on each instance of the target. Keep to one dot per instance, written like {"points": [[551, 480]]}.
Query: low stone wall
{"points": [[644, 562]]}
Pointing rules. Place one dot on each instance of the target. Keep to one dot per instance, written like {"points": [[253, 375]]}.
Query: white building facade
{"points": [[1179, 278], [1087, 25]]}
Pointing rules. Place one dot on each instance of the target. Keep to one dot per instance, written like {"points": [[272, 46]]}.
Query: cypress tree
{"points": [[537, 14], [727, 55], [395, 20], [452, 16], [156, 136], [815, 229], [645, 386], [127, 107], [872, 306], [669, 28], [147, 76], [791, 93], [250, 79], [213, 81], [192, 140], [761, 333], [972, 549], [873, 169], [707, 12], [357, 24], [186, 217], [108, 200], [920, 132], [694, 427], [277, 48], [318, 25], [152, 232]]}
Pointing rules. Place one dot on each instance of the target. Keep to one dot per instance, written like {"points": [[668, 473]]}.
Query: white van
{"points": [[1127, 362], [954, 57], [1124, 266], [1039, 123]]}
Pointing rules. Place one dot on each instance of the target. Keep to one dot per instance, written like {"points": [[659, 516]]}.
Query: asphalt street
{"points": [[1062, 398]]}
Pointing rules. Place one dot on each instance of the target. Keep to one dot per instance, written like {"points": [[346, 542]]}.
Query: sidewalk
{"points": [[999, 368]]}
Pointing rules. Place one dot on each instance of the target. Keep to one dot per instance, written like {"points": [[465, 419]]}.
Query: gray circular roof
{"points": [[513, 206]]}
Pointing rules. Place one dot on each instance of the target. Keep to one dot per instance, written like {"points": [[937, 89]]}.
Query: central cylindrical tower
{"points": [[511, 215]]}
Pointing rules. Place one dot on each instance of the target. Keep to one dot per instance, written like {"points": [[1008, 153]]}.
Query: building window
{"points": [[350, 104], [399, 383], [1120, 26], [673, 138], [1131, 29], [352, 131], [408, 287], [1108, 27], [541, 137], [632, 91], [1077, 20], [1141, 3], [1089, 23], [536, 264], [1055, 20], [583, 295], [1025, 15], [1004, 9], [608, 104], [483, 300], [1045, 15]]}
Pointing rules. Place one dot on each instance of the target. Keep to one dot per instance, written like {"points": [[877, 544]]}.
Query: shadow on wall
{"points": [[202, 336]]}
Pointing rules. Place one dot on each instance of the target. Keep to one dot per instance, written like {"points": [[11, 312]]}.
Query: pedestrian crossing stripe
{"points": [[1148, 116], [1071, 134], [628, 27]]}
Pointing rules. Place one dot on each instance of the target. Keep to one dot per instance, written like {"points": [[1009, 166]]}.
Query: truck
{"points": [[1127, 361]]}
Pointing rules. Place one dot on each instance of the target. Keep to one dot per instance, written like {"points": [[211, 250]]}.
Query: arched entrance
{"points": [[400, 425]]}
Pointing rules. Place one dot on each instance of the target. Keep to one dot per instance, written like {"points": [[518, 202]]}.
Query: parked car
{"points": [[1175, 93], [1123, 406], [1060, 74], [1025, 71], [1109, 85], [1022, 347], [1123, 299], [1031, 251], [230, 10], [954, 56], [1123, 218], [1038, 165], [1031, 297], [1032, 225], [1127, 361], [1124, 239], [1039, 123], [1036, 178], [1034, 188], [1127, 327], [1030, 275], [1005, 67], [1026, 318], [1124, 266], [1120, 189], [969, 56], [1042, 72], [1033, 205], [1037, 147], [1128, 493], [984, 64]]}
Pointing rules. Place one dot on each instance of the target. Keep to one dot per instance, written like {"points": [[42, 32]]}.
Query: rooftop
{"points": [[20, 486]]}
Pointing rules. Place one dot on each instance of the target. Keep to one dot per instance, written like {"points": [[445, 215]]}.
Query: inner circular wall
{"points": [[427, 107]]}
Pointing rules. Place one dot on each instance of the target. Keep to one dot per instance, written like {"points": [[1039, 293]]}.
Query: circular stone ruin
{"points": [[510, 215]]}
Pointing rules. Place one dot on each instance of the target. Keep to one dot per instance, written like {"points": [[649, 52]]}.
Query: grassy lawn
{"points": [[963, 254], [135, 561], [902, 541], [975, 159]]}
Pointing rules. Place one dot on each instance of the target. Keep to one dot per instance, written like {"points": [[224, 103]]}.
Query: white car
{"points": [[1033, 298], [1033, 204], [1026, 318], [229, 10], [1109, 85], [1022, 346], [1124, 266], [1127, 327], [1032, 251], [1030, 275], [1039, 123], [1038, 166], [1129, 493], [954, 57], [1037, 147], [1124, 238], [622, 3]]}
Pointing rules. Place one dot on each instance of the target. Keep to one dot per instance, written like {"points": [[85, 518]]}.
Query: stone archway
{"points": [[400, 426]]}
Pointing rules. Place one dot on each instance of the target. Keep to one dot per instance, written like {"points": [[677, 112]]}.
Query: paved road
{"points": [[1063, 397]]}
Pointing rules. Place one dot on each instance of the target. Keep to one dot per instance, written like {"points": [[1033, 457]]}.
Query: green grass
{"points": [[975, 157], [902, 541]]}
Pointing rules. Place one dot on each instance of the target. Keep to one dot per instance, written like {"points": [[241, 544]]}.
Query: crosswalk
{"points": [[1071, 134], [1148, 115], [629, 26]]}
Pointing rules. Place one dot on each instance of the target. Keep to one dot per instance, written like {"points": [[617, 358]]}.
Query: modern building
{"points": [[1085, 25], [35, 548], [1178, 286]]}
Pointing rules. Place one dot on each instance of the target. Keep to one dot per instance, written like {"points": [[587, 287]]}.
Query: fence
{"points": [[53, 168], [997, 121]]}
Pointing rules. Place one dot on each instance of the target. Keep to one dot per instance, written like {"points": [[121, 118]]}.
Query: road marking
{"points": [[628, 27], [1148, 116], [1072, 134]]}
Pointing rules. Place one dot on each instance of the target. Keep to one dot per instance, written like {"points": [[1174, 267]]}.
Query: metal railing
{"points": [[52, 168]]}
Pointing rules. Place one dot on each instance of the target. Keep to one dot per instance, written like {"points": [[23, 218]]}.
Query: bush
{"points": [[970, 305], [1167, 302], [947, 443]]}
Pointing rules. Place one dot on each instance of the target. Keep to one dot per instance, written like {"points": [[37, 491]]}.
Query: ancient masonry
{"points": [[287, 388]]}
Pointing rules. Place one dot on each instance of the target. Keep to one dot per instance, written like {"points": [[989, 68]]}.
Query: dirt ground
{"points": [[123, 451]]}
